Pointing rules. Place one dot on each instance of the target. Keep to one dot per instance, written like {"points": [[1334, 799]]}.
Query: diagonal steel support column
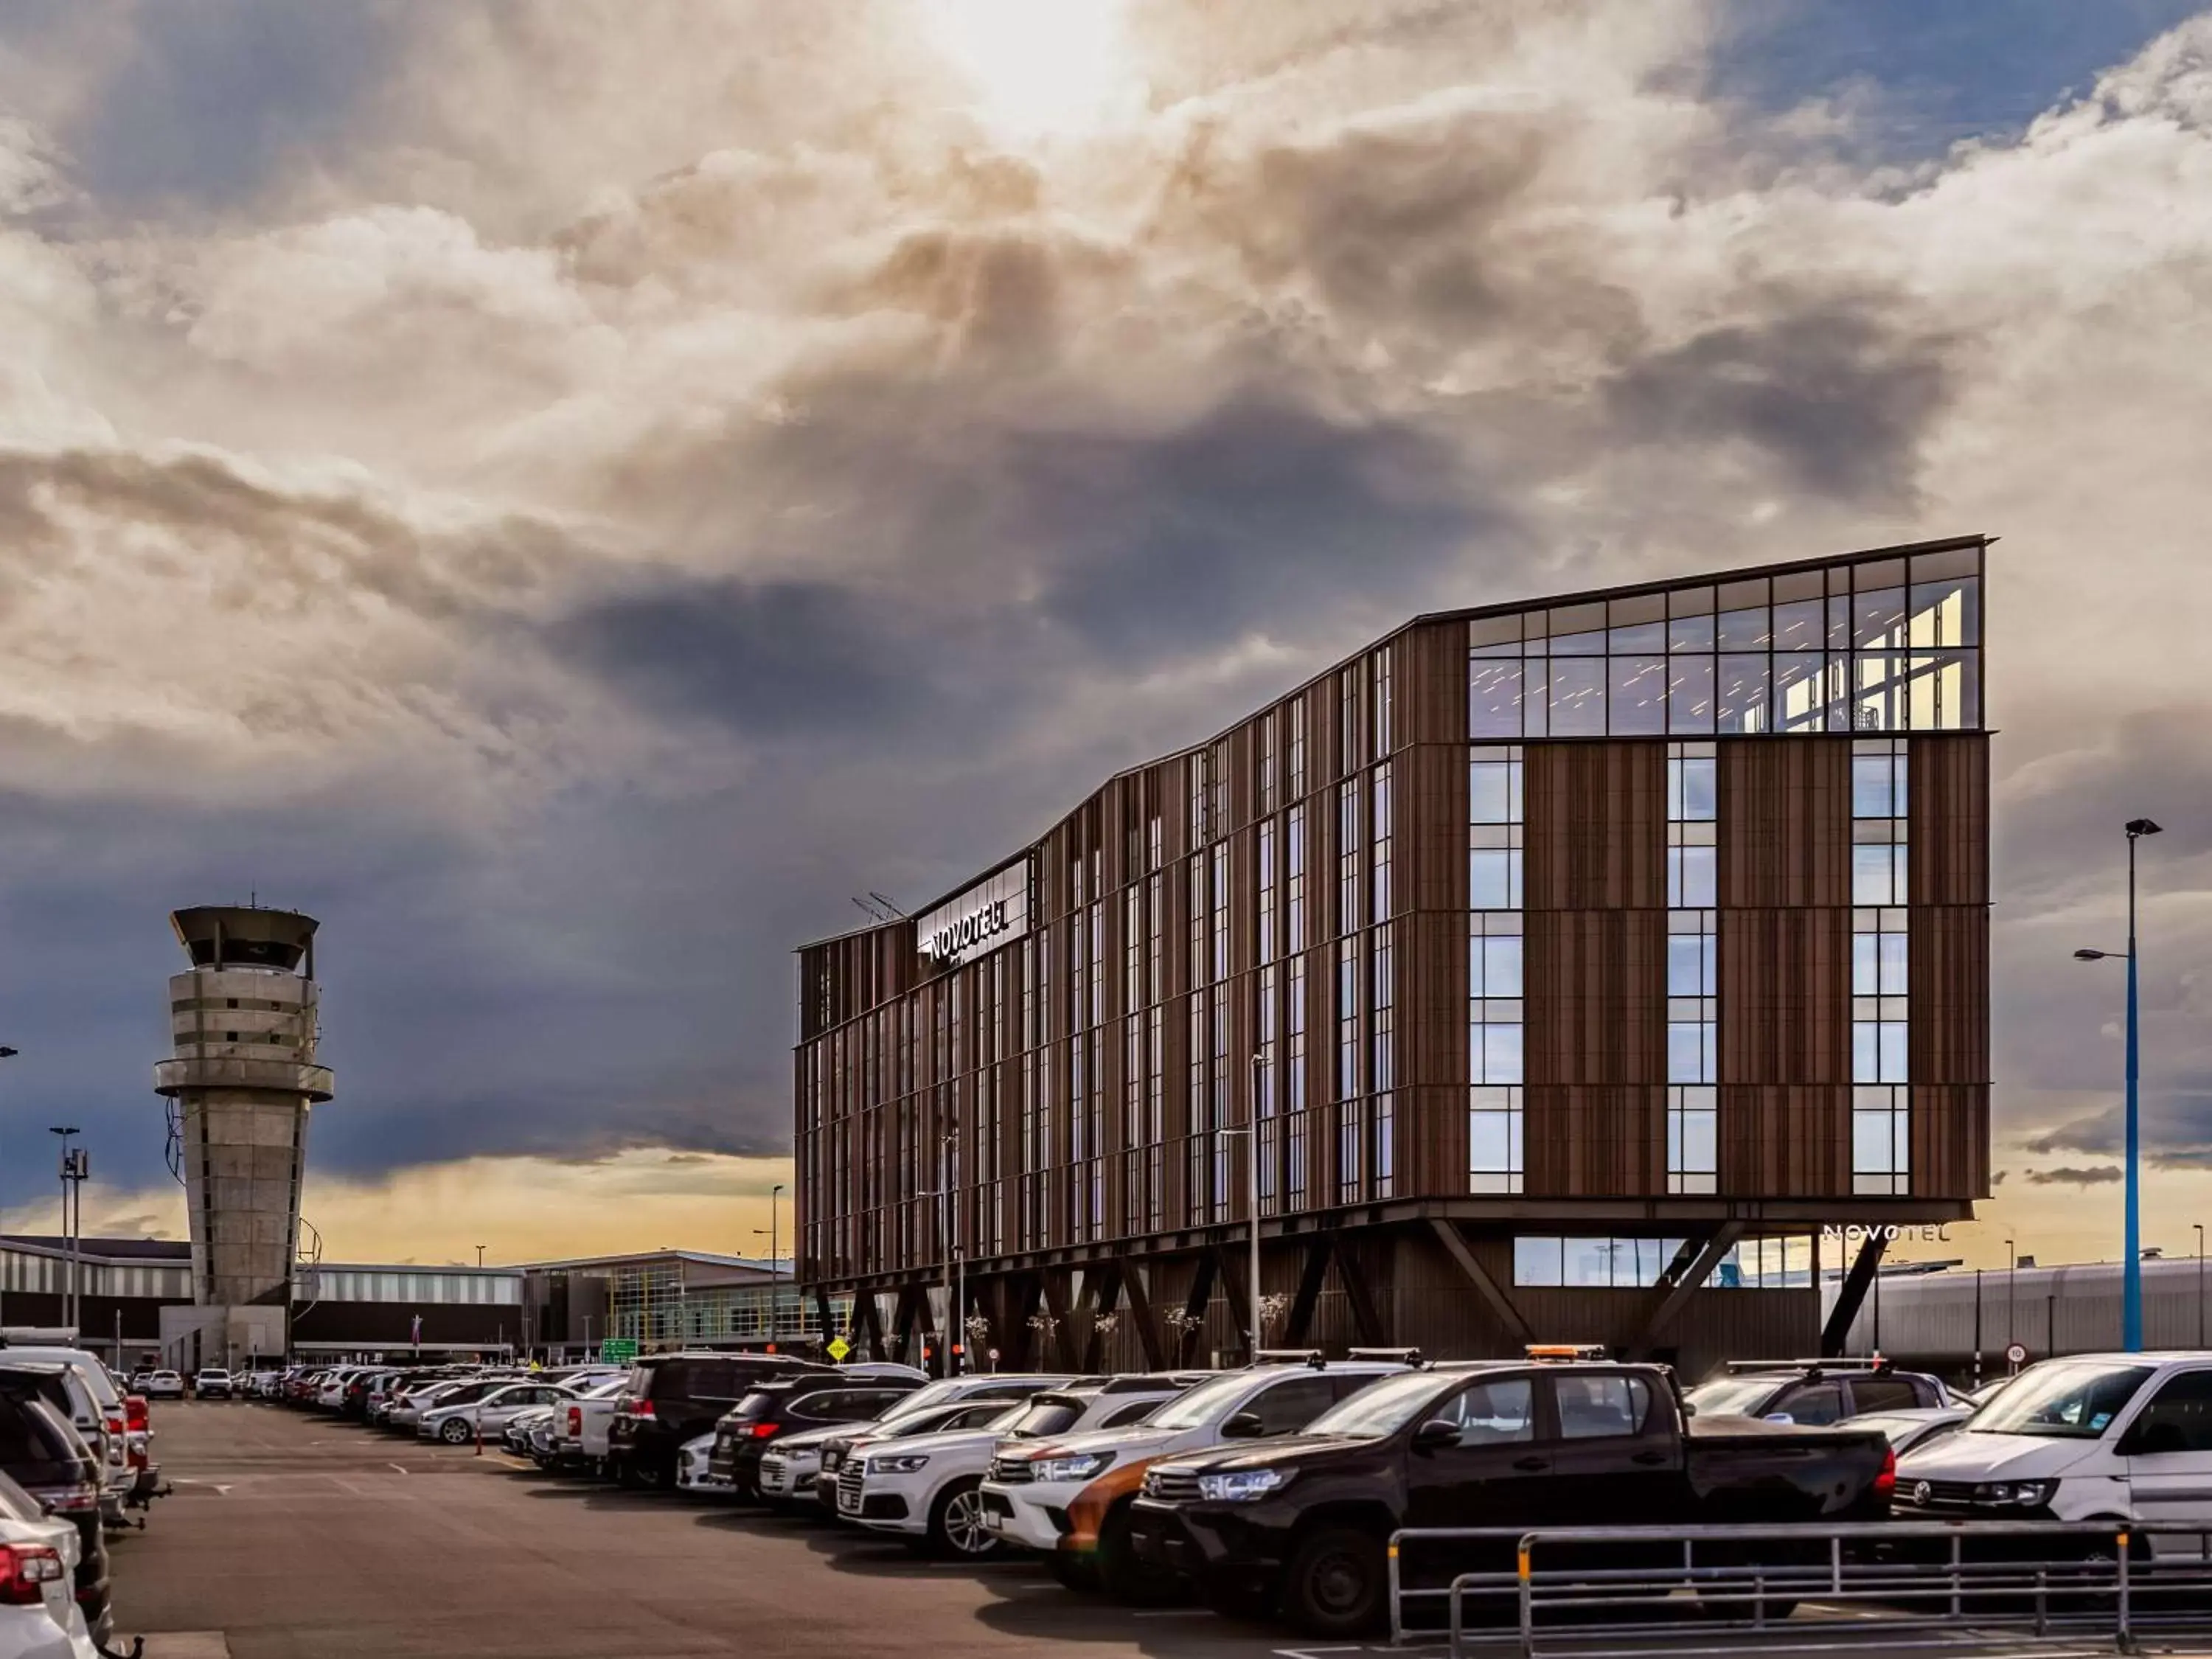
{"points": [[1852, 1296], [1670, 1309], [1455, 1246]]}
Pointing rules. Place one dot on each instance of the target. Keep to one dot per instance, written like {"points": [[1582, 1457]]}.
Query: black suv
{"points": [[43, 1454], [1815, 1393], [776, 1409], [670, 1398]]}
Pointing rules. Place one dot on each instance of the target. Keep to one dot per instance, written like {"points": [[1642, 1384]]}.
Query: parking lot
{"points": [[291, 1535], [296, 1536]]}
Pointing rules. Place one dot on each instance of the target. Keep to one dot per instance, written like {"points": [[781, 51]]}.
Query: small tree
{"points": [[1273, 1309]]}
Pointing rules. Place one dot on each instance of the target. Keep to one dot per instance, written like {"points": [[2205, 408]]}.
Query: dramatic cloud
{"points": [[571, 493]]}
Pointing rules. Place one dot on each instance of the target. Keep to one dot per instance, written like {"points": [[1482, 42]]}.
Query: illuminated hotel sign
{"points": [[986, 916]]}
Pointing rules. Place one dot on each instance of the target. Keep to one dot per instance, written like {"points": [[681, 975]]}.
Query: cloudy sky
{"points": [[570, 494]]}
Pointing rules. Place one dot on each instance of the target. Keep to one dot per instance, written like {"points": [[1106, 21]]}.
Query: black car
{"points": [[782, 1408], [1303, 1524], [41, 1453], [670, 1398]]}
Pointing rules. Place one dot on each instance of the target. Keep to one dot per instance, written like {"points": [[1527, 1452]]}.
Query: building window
{"points": [[1881, 1140], [1379, 809], [1692, 1141], [1294, 881], [1493, 1139], [1268, 801], [1296, 784], [1494, 998], [1350, 732], [1198, 798], [1383, 1060], [1347, 856], [1692, 997], [1382, 703], [1200, 913], [1220, 902], [1495, 828], [1264, 916], [1880, 999], [1294, 1032], [1217, 798], [1220, 1119], [1348, 1020], [1693, 876], [1878, 645]]}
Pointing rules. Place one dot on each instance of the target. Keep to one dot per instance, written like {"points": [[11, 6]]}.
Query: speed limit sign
{"points": [[2015, 1355]]}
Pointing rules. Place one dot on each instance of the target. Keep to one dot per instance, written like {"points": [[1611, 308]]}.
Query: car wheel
{"points": [[1334, 1585], [455, 1431], [956, 1522], [1128, 1576]]}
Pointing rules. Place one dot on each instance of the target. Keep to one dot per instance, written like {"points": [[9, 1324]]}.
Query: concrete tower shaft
{"points": [[243, 1072]]}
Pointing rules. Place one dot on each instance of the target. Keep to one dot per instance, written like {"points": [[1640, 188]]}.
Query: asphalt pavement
{"points": [[293, 1535]]}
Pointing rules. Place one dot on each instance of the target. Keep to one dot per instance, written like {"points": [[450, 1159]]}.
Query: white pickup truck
{"points": [[583, 1425]]}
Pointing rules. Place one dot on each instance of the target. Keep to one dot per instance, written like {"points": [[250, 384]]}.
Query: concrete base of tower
{"points": [[232, 1337]]}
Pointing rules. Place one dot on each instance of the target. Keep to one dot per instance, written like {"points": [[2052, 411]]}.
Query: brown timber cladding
{"points": [[878, 1081]]}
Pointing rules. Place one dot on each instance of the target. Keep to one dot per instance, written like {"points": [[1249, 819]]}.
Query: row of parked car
{"points": [[76, 1468], [1272, 1491]]}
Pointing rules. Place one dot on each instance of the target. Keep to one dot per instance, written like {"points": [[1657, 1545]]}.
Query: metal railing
{"points": [[1901, 1584]]}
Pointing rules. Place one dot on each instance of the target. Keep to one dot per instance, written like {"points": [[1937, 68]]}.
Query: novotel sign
{"points": [[986, 916]]}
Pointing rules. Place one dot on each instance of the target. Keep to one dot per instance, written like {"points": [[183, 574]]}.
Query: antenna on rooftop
{"points": [[895, 912], [875, 908]]}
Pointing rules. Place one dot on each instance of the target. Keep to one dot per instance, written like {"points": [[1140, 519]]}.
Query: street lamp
{"points": [[2132, 1250], [2012, 1276], [775, 1255], [480, 1251]]}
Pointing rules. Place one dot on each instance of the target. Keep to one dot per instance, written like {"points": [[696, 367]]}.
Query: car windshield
{"points": [[1000, 1416], [1379, 1408], [1048, 1415], [607, 1391], [1209, 1402], [2067, 1401], [1731, 1396]]}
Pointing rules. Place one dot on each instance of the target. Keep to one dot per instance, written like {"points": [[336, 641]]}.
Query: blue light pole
{"points": [[2131, 1337]]}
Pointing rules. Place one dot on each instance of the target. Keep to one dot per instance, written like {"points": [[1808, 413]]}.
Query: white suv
{"points": [[928, 1489], [1067, 1497]]}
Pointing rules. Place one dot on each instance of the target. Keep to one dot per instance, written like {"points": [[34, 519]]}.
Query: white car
{"points": [[1067, 1495], [788, 1467], [2110, 1437], [929, 1489], [458, 1421], [1001, 1386], [213, 1382], [694, 1470], [165, 1385], [40, 1618]]}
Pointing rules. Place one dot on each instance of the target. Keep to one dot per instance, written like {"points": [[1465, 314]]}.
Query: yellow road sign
{"points": [[839, 1347]]}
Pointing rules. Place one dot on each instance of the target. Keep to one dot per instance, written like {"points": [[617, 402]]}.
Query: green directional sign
{"points": [[618, 1351], [838, 1348]]}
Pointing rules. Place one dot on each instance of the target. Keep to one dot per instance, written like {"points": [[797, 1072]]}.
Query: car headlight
{"points": [[2016, 1494], [1241, 1486], [906, 1464], [1079, 1467]]}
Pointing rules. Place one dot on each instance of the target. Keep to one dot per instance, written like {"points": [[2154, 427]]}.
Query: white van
{"points": [[2106, 1437]]}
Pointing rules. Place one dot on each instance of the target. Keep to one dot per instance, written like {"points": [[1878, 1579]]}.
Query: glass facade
{"points": [[1643, 1263], [1886, 645], [1497, 813]]}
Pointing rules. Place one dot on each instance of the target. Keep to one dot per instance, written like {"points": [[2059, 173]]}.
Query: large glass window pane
{"points": [[1536, 696], [1493, 707], [1501, 1055], [1587, 1263], [1946, 692], [1743, 694], [1801, 693], [1501, 966], [1871, 776], [1945, 613], [1577, 696], [1892, 974], [1493, 789], [1892, 1041], [1744, 630], [1493, 878], [1537, 1260], [1690, 693], [1690, 1051], [1689, 633], [1878, 619], [1866, 964], [1693, 786], [1638, 696], [1691, 964], [1800, 627], [1691, 877], [1871, 879]]}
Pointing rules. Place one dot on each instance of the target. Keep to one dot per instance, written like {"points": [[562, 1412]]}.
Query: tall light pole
{"points": [[2012, 1279], [774, 1255], [69, 1246], [955, 1264], [2132, 1248], [6, 1053]]}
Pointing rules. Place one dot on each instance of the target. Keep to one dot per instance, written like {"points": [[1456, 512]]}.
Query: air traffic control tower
{"points": [[242, 1075]]}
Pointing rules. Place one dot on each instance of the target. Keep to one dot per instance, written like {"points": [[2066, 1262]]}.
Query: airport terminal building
{"points": [[1567, 966]]}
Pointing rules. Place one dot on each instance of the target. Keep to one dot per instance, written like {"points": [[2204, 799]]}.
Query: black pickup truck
{"points": [[1299, 1526]]}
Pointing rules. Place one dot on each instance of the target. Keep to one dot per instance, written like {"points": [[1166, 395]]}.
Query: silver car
{"points": [[487, 1413]]}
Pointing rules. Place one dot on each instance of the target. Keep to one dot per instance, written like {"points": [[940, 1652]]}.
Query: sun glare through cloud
{"points": [[1040, 69]]}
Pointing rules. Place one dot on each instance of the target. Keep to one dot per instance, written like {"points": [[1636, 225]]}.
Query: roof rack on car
{"points": [[1879, 1363], [1401, 1356], [1312, 1356]]}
